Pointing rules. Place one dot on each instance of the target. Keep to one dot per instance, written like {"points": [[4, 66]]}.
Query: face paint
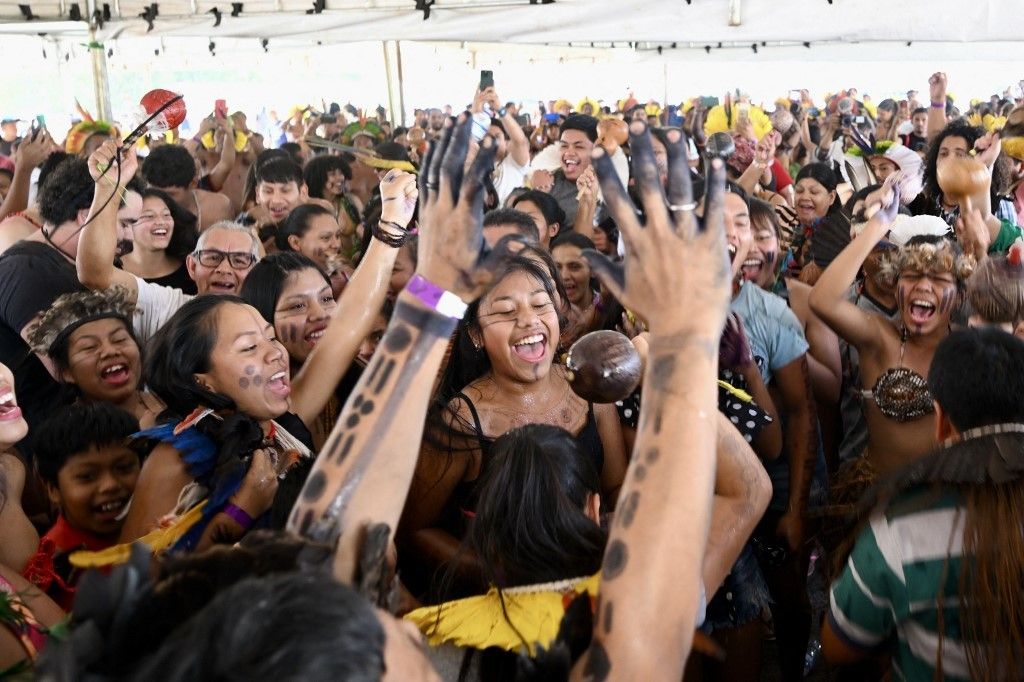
{"points": [[946, 301]]}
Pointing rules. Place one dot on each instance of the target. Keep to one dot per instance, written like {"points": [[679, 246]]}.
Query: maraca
{"points": [[612, 133], [159, 111], [604, 367], [962, 178]]}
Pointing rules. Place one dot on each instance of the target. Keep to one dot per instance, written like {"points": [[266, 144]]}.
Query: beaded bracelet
{"points": [[388, 238]]}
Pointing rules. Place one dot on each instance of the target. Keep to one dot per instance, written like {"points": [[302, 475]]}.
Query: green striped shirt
{"points": [[905, 564]]}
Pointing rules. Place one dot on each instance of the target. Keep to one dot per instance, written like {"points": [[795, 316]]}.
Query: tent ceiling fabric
{"points": [[565, 21]]}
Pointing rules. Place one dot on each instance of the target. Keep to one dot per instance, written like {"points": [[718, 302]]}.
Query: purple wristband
{"points": [[239, 515], [938, 105], [436, 298]]}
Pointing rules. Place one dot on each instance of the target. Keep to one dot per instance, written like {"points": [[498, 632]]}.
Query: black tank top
{"points": [[462, 504]]}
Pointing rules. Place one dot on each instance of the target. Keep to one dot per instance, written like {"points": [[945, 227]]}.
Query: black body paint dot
{"points": [[243, 383], [367, 407], [352, 421], [257, 380], [384, 376], [250, 369], [657, 422], [640, 473], [307, 521], [346, 447], [606, 617], [628, 511], [652, 455], [358, 401], [398, 339], [615, 560], [315, 486], [598, 665]]}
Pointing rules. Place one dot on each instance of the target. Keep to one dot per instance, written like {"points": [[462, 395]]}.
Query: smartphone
{"points": [[486, 80], [708, 102], [41, 121], [220, 109], [328, 118], [794, 95], [859, 119]]}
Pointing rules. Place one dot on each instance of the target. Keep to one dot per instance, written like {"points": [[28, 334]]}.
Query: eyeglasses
{"points": [[212, 258]]}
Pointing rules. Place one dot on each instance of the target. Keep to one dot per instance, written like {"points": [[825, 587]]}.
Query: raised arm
{"points": [[518, 145], [359, 304], [30, 153], [97, 245], [742, 493], [828, 297], [676, 277], [362, 476], [219, 175], [937, 110]]}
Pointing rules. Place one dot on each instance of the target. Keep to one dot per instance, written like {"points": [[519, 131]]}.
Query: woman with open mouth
{"points": [[296, 296], [820, 214], [26, 612], [930, 273], [501, 375], [90, 340], [162, 236], [241, 415], [232, 435]]}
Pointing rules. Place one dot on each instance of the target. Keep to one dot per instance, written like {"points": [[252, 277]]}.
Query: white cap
{"points": [[906, 227]]}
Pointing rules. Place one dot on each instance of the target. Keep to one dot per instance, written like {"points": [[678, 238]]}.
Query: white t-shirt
{"points": [[507, 176], [156, 304]]}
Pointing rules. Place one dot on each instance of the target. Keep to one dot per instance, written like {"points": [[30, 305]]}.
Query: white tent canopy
{"points": [[663, 22]]}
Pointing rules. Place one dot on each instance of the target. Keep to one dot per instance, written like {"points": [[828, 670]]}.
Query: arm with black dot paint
{"points": [[676, 277], [362, 476]]}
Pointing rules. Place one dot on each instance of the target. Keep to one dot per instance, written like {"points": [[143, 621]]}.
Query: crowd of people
{"points": [[299, 408]]}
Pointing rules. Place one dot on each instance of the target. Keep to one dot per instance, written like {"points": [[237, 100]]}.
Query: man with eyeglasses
{"points": [[224, 255]]}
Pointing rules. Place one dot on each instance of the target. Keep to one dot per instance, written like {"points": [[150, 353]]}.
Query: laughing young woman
{"points": [[161, 238], [501, 376]]}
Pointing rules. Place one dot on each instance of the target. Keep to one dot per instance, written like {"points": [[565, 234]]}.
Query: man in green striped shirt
{"points": [[901, 592]]}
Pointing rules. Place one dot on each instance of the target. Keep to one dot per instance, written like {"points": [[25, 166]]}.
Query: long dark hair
{"points": [[530, 526], [265, 282], [297, 223], [185, 233], [467, 363], [316, 170], [180, 350]]}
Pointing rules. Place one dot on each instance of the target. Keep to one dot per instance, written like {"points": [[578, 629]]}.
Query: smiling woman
{"points": [[162, 235], [224, 375], [502, 375]]}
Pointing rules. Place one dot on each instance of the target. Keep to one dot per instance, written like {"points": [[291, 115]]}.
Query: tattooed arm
{"points": [[676, 277], [358, 307], [363, 473]]}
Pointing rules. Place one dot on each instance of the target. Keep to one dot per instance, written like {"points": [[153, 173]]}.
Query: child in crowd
{"points": [[89, 469]]}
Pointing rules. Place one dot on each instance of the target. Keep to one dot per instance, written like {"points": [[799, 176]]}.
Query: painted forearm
{"points": [[359, 306], [362, 475], [653, 563]]}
